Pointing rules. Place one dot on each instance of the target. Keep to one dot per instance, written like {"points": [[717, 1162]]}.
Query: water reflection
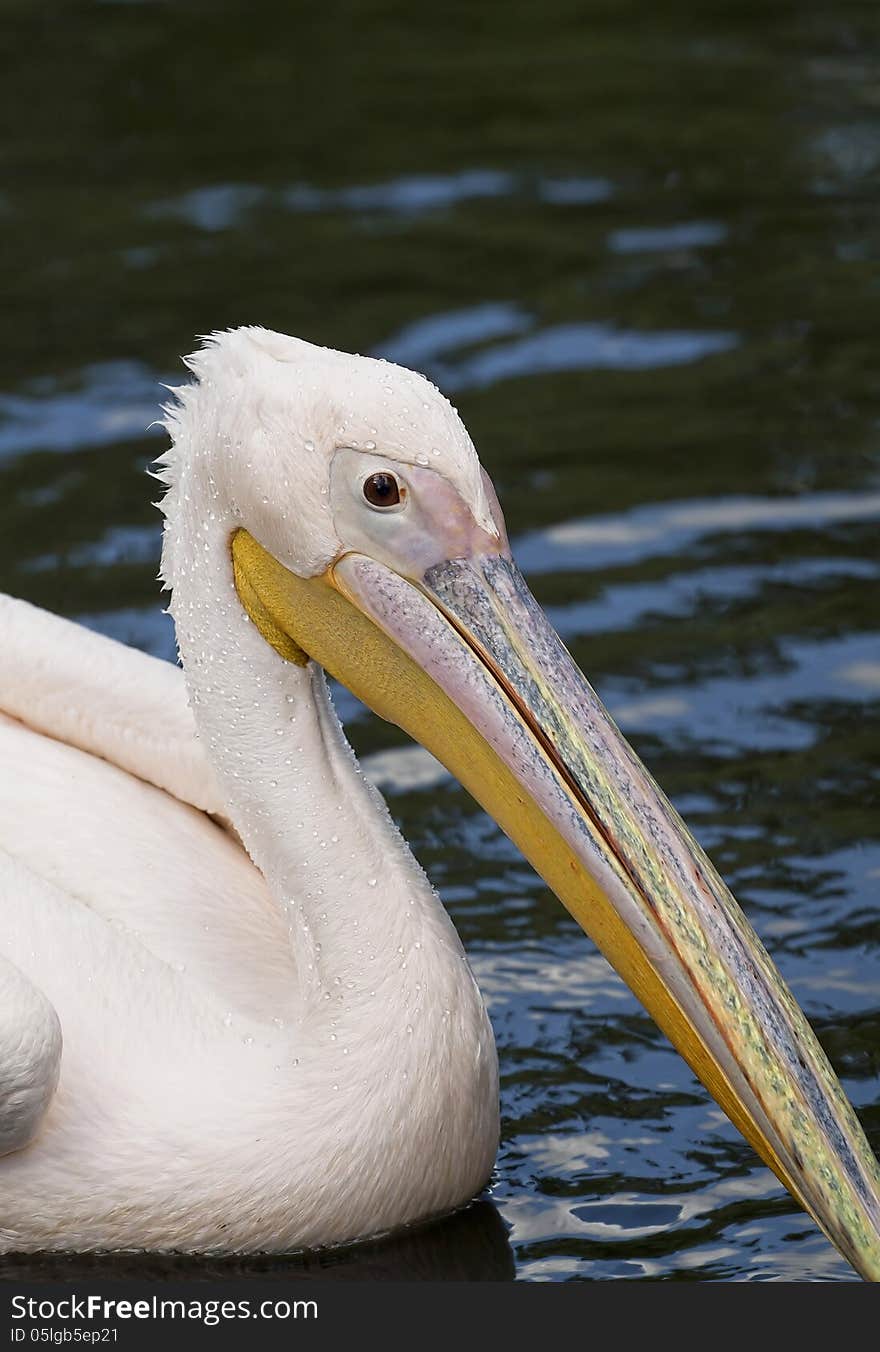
{"points": [[111, 402], [578, 347], [661, 331], [470, 1246], [227, 206], [671, 528], [661, 238]]}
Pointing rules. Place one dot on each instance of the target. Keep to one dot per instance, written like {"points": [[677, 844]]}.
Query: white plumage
{"points": [[256, 1055], [233, 1013]]}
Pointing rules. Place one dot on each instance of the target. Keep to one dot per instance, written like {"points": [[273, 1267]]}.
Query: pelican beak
{"points": [[461, 657]]}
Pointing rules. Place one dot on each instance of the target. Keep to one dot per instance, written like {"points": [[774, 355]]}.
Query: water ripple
{"points": [[659, 239], [561, 347], [655, 529], [117, 401], [228, 206]]}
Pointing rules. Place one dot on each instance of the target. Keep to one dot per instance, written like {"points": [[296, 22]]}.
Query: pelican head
{"points": [[361, 534]]}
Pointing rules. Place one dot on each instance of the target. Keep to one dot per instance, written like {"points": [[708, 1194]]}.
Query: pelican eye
{"points": [[382, 490]]}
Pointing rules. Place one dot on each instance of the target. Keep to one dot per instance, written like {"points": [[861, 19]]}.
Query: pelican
{"points": [[234, 1014]]}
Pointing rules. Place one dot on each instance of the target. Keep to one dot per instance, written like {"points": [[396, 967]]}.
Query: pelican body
{"points": [[234, 1015]]}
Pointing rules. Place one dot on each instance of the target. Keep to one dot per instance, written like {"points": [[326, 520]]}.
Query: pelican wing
{"points": [[90, 692], [106, 796]]}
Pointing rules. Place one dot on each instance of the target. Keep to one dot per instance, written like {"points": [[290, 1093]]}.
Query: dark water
{"points": [[639, 246]]}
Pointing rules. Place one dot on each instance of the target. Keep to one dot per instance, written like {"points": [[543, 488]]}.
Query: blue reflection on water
{"points": [[561, 347], [584, 347], [625, 604], [119, 401], [228, 206], [657, 239], [655, 529], [113, 401]]}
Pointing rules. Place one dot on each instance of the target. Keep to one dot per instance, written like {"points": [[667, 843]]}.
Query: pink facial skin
{"points": [[431, 523]]}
